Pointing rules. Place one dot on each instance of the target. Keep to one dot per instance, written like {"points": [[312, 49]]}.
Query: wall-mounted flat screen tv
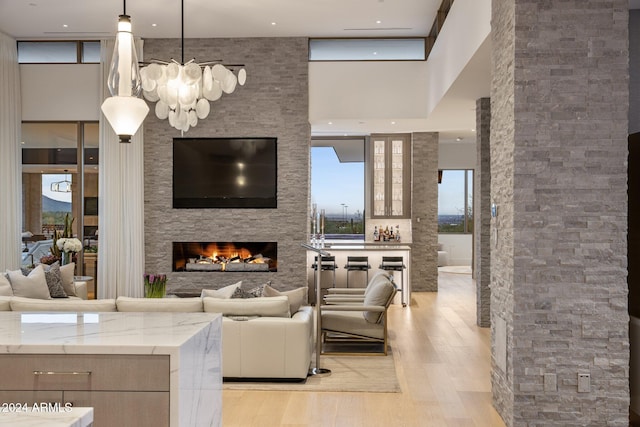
{"points": [[225, 172]]}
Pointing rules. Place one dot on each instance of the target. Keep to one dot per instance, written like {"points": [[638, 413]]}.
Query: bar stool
{"points": [[395, 263], [328, 264], [357, 263]]}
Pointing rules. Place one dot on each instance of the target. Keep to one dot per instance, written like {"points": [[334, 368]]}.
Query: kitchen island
{"points": [[143, 369]]}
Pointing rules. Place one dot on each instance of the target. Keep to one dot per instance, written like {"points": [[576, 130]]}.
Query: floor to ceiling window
{"points": [[455, 201], [60, 176], [337, 185]]}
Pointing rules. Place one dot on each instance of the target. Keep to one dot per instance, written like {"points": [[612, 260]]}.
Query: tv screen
{"points": [[225, 172]]}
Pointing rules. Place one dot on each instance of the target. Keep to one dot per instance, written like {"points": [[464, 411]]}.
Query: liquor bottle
{"points": [[376, 235], [397, 233]]}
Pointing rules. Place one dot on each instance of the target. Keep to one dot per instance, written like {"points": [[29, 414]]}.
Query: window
{"points": [[54, 184], [337, 186], [58, 52], [455, 202], [391, 49]]}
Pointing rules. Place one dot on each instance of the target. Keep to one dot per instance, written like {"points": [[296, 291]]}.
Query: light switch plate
{"points": [[584, 383]]}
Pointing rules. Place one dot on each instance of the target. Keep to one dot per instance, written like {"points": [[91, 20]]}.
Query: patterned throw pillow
{"points": [[54, 281], [252, 293]]}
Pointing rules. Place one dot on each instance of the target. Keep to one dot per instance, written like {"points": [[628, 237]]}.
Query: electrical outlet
{"points": [[584, 383]]}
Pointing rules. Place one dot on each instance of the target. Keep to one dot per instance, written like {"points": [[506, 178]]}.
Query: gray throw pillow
{"points": [[54, 281], [252, 293]]}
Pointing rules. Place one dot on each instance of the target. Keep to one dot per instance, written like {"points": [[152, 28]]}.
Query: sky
{"points": [[334, 184]]}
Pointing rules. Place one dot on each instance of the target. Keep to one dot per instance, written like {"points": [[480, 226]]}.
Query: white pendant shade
{"points": [[125, 114], [124, 111]]}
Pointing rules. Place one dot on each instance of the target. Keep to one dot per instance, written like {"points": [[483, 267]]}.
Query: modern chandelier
{"points": [[182, 91], [124, 111], [63, 186]]}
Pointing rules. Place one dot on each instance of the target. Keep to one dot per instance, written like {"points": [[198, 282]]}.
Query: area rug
{"points": [[348, 374]]}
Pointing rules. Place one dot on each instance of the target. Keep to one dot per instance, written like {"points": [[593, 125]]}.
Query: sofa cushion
{"points": [[67, 272], [380, 293], [5, 302], [176, 305], [5, 286], [297, 297], [53, 277], [260, 306], [32, 286], [71, 304], [224, 292]]}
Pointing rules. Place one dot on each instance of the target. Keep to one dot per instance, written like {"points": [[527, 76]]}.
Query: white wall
{"points": [[60, 91], [467, 26], [457, 155], [458, 248], [354, 90]]}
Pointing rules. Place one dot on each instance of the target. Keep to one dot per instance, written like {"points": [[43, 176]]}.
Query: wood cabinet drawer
{"points": [[112, 408], [31, 397], [84, 372]]}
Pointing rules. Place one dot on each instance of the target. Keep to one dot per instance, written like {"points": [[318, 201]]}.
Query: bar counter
{"points": [[357, 279]]}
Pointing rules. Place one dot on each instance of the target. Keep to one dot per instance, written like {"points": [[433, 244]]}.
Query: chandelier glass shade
{"points": [[124, 111], [182, 92]]}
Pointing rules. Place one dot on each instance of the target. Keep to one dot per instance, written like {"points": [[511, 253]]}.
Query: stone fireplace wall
{"points": [[273, 103]]}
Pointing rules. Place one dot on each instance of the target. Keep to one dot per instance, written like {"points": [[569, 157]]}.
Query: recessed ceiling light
{"points": [[22, 142], [274, 23], [154, 25], [393, 123], [378, 22], [458, 139], [375, 53], [473, 130], [330, 123], [65, 25]]}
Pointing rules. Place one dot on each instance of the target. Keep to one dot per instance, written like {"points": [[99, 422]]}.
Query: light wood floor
{"points": [[443, 365]]}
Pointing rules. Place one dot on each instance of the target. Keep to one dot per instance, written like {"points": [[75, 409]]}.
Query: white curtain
{"points": [[121, 207], [10, 156]]}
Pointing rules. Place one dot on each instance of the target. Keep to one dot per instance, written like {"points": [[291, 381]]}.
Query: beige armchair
{"points": [[359, 319]]}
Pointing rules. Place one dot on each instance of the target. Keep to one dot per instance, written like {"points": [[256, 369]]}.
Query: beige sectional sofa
{"points": [[261, 338]]}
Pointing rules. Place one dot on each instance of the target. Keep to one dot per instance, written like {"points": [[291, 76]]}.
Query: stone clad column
{"points": [[424, 214], [482, 212], [559, 103]]}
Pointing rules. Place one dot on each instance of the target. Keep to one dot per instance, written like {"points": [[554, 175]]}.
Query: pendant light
{"points": [[124, 111], [182, 91]]}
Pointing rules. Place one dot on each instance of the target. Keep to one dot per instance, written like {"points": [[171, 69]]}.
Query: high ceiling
{"points": [[38, 19], [94, 19]]}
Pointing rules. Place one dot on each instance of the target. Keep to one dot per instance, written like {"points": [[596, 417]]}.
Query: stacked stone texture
{"points": [[482, 213], [424, 249], [558, 144], [273, 103]]}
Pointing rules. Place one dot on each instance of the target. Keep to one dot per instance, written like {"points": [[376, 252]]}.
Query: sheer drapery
{"points": [[10, 156], [121, 207]]}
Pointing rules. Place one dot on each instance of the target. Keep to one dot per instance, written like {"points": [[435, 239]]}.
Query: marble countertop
{"points": [[99, 333], [366, 247], [30, 417]]}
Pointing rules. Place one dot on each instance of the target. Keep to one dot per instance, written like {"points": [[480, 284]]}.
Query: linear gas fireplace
{"points": [[225, 256]]}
